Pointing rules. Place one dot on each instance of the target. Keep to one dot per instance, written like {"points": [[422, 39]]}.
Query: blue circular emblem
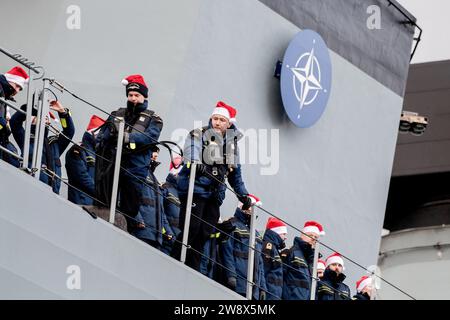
{"points": [[306, 78]]}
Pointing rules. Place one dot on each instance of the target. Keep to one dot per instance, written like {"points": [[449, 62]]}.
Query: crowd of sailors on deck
{"points": [[155, 212]]}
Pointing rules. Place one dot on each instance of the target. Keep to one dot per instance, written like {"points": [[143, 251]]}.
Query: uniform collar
{"points": [[332, 276], [273, 237]]}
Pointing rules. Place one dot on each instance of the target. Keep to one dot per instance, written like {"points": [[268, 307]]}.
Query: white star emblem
{"points": [[309, 78]]}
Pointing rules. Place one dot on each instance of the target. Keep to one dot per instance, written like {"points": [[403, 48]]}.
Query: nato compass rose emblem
{"points": [[306, 78]]}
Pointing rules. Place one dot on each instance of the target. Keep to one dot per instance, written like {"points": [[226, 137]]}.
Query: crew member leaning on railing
{"points": [[11, 83], [54, 146], [80, 165]]}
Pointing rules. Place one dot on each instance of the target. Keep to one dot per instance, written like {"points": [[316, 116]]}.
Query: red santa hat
{"points": [[276, 225], [175, 165], [136, 82], [94, 123], [225, 110], [320, 265], [18, 76], [335, 258], [313, 227], [363, 282]]}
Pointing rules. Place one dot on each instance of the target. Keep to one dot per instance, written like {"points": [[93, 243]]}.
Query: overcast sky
{"points": [[432, 17]]}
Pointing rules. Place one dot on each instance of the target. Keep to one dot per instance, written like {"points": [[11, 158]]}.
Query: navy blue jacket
{"points": [[80, 167], [297, 272], [151, 212], [209, 257], [273, 266], [54, 146], [331, 287], [205, 186], [5, 89], [172, 203], [235, 255], [136, 162]]}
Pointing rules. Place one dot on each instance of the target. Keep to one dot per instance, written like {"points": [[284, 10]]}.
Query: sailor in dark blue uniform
{"points": [[142, 130], [297, 275], [54, 146], [364, 288], [216, 146], [11, 83], [235, 254], [80, 165], [331, 286], [273, 244], [172, 201]]}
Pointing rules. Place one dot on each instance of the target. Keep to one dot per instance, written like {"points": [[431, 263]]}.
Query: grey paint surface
{"points": [[44, 235], [418, 261], [427, 93], [382, 53], [336, 172]]}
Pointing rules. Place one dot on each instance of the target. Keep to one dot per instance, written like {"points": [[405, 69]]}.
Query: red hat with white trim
{"points": [[363, 282], [18, 76], [335, 258], [94, 123], [313, 227], [136, 82], [320, 265], [225, 110], [276, 225]]}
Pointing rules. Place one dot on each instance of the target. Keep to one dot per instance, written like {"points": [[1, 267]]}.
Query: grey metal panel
{"points": [[426, 157], [383, 54], [409, 254], [415, 238], [427, 93], [44, 235]]}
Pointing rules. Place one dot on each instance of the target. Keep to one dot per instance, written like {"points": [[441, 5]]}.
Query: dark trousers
{"points": [[130, 194], [199, 231]]}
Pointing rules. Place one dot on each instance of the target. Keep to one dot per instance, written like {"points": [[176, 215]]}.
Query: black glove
{"points": [[246, 202], [262, 295], [231, 282], [153, 165], [171, 239]]}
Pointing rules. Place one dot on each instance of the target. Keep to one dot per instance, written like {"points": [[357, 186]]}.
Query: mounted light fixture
{"points": [[412, 122]]}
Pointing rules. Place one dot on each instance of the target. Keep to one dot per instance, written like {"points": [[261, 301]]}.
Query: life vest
{"points": [[219, 163]]}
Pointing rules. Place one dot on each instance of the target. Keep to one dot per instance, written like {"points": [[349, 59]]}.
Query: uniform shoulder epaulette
{"points": [[152, 114], [76, 149], [52, 139]]}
